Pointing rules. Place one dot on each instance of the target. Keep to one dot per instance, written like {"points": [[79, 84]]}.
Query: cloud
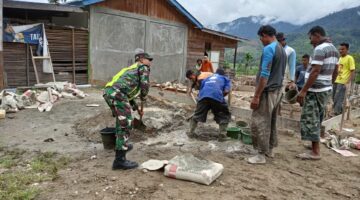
{"points": [[297, 12]]}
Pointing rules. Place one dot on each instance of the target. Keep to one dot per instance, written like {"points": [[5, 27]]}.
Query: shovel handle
{"points": [[141, 110], [193, 98]]}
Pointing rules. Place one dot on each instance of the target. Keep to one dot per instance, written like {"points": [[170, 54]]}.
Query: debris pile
{"points": [[171, 86], [341, 144], [42, 100]]}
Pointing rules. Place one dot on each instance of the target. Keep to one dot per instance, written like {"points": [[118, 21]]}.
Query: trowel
{"points": [[138, 123]]}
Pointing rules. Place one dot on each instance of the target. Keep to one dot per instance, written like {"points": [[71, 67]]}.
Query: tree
{"points": [[248, 59]]}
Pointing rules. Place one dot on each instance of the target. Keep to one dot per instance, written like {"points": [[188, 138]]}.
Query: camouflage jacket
{"points": [[132, 81]]}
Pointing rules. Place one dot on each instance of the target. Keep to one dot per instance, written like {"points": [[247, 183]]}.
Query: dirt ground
{"points": [[75, 131]]}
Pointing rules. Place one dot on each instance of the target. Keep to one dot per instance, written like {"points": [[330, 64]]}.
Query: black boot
{"points": [[120, 161], [130, 147]]}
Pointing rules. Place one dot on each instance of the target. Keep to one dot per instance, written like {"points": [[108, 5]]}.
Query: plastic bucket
{"points": [[242, 124], [246, 136], [108, 138], [233, 132], [290, 96]]}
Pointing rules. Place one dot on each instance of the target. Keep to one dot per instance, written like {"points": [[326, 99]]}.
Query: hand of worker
{"points": [[301, 97], [291, 86], [347, 86], [255, 103]]}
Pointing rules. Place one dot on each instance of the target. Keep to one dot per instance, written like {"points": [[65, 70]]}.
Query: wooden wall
{"points": [[153, 8], [163, 10], [18, 65], [196, 45]]}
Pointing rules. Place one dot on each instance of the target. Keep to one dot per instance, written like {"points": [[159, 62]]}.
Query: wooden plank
{"points": [[34, 65], [2, 81], [27, 66], [73, 55]]}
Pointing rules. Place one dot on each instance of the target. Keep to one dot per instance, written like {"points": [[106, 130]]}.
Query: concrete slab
{"points": [[334, 123]]}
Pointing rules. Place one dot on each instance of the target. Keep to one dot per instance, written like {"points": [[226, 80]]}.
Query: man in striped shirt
{"points": [[317, 89]]}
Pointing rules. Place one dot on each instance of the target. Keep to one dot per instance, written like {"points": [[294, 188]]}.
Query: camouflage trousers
{"points": [[121, 109], [263, 121], [312, 115]]}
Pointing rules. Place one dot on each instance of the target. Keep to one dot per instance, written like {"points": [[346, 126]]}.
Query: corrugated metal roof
{"points": [[40, 6], [206, 30], [83, 3]]}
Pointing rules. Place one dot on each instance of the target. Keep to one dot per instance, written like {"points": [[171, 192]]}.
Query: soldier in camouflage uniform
{"points": [[119, 94]]}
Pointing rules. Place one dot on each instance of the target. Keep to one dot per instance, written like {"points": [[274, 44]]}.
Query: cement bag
{"points": [[190, 168]]}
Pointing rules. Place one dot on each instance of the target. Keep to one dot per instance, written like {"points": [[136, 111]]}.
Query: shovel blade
{"points": [[139, 124]]}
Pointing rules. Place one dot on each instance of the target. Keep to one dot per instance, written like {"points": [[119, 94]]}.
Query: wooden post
{"points": [[2, 81], [235, 58], [230, 97], [34, 65], [73, 54], [27, 66], [27, 54]]}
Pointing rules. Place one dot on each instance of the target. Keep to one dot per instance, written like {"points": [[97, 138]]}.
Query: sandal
{"points": [[308, 156]]}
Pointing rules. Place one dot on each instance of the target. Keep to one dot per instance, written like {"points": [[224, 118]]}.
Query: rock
{"points": [[113, 178], [222, 183], [92, 105], [178, 144], [93, 157], [161, 185], [145, 170], [11, 116], [49, 140], [2, 114]]}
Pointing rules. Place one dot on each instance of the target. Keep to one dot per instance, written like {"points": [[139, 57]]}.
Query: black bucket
{"points": [[108, 137]]}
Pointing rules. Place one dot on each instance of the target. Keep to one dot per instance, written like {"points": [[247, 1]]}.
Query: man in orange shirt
{"points": [[196, 79], [206, 65]]}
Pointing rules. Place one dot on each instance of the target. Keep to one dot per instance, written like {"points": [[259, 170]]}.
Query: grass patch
{"points": [[10, 158], [17, 183]]}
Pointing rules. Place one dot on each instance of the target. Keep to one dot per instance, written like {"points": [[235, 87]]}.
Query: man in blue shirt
{"points": [[300, 72], [267, 97], [211, 97]]}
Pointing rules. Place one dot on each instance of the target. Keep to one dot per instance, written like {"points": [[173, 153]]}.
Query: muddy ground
{"points": [[75, 131]]}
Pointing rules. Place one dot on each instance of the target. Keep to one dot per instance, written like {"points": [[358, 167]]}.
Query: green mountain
{"points": [[342, 26]]}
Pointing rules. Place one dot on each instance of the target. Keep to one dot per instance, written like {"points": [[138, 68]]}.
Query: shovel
{"points": [[138, 123], [194, 99]]}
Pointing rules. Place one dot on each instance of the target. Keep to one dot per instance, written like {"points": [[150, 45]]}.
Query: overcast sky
{"points": [[210, 12]]}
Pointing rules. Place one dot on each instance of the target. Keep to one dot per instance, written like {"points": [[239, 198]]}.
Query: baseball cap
{"points": [[143, 55]]}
